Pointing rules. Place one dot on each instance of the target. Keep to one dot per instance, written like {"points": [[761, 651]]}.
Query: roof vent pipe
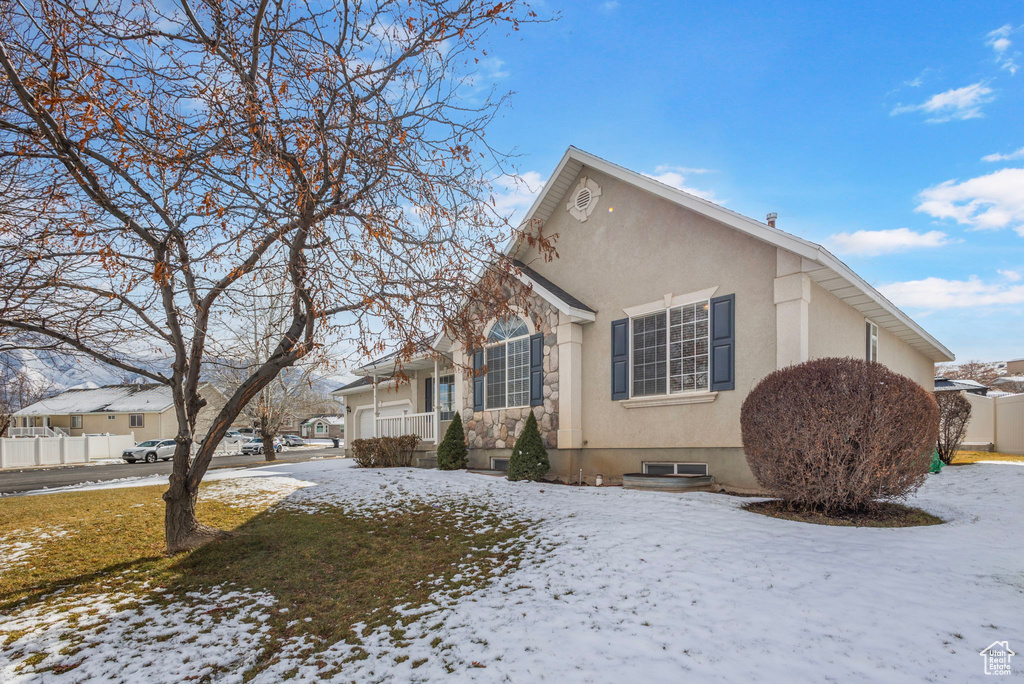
{"points": [[771, 219]]}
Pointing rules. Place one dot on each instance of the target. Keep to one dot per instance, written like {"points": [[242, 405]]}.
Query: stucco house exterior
{"points": [[326, 426], [644, 336], [143, 410]]}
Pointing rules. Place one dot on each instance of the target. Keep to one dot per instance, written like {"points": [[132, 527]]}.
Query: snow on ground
{"points": [[115, 637], [618, 585], [16, 547], [261, 492]]}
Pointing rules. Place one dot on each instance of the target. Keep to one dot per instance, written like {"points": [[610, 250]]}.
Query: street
{"points": [[30, 479]]}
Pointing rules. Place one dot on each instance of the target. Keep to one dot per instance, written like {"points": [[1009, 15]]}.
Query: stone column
{"points": [[570, 383], [792, 300]]}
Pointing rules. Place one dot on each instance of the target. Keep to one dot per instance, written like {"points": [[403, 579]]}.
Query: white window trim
{"points": [[670, 301], [451, 395], [73, 421], [530, 331], [670, 398], [142, 420], [679, 399], [871, 335]]}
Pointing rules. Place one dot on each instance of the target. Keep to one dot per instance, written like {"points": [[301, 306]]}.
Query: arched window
{"points": [[508, 364]]}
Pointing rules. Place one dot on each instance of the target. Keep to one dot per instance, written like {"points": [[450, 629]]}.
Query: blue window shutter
{"points": [[723, 343], [478, 380], [536, 369], [430, 395], [620, 359]]}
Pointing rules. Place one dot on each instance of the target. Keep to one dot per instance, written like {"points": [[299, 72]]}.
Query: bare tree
{"points": [[978, 371], [18, 389], [259, 317], [954, 414], [154, 157]]}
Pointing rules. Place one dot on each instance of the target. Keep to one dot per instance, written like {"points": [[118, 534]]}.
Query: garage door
{"points": [[366, 417]]}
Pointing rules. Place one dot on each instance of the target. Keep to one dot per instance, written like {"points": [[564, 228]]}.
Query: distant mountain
{"points": [[59, 372], [62, 372]]}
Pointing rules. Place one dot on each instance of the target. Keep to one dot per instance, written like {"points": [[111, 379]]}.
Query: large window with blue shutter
{"points": [[507, 384], [671, 350]]}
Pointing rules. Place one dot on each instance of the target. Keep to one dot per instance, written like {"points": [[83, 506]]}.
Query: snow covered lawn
{"points": [[607, 586]]}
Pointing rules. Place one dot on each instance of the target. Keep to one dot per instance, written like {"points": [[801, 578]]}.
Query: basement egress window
{"points": [[675, 468]]}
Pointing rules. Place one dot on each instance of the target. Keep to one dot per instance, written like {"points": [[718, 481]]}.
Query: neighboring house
{"points": [[643, 337], [971, 386], [1015, 367], [145, 410], [1014, 384], [323, 426]]}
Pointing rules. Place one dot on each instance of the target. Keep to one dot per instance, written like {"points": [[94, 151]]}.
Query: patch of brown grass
{"points": [[329, 567], [878, 514], [967, 457]]}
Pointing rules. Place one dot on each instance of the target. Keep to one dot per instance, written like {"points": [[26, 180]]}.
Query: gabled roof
{"points": [[147, 398], [954, 385], [818, 263], [332, 419], [551, 292]]}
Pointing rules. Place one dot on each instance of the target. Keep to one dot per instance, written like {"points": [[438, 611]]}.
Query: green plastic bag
{"points": [[936, 463]]}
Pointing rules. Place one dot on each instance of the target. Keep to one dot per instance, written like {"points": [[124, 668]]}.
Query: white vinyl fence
{"points": [[35, 451], [998, 421]]}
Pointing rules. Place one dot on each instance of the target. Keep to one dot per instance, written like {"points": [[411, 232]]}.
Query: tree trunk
{"points": [[268, 447], [182, 529]]}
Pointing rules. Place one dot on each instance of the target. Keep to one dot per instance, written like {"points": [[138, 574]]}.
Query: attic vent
{"points": [[584, 199]]}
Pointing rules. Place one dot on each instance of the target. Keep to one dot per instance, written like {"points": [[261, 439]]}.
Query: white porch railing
{"points": [[420, 424], [37, 432]]}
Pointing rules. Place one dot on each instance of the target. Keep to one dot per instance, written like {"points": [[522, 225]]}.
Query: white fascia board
{"points": [[580, 315]]}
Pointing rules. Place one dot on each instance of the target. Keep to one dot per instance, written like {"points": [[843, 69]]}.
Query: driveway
{"points": [[31, 479]]}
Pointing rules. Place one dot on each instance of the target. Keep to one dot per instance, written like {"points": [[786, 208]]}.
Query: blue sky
{"points": [[864, 125]]}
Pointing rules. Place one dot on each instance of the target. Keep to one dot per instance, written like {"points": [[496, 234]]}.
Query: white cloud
{"points": [[610, 5], [986, 202], [999, 41], [676, 177], [513, 195], [939, 293], [1012, 276], [957, 104], [997, 157], [875, 242]]}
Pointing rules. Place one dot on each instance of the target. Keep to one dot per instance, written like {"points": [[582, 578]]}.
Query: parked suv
{"points": [[255, 446], [292, 440], [150, 450]]}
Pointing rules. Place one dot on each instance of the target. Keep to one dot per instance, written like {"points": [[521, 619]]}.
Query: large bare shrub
{"points": [[834, 434], [954, 413], [385, 452]]}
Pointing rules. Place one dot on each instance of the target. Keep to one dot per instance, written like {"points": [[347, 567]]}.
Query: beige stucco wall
{"points": [[155, 425], [837, 329], [644, 249]]}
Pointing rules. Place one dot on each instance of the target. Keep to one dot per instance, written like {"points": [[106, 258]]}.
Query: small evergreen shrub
{"points": [[385, 452], [452, 453], [833, 435], [529, 459]]}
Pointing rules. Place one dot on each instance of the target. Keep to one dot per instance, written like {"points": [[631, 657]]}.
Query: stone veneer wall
{"points": [[498, 428]]}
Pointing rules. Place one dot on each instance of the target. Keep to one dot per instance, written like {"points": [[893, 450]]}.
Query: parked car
{"points": [[249, 432], [150, 450], [255, 446], [293, 440]]}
